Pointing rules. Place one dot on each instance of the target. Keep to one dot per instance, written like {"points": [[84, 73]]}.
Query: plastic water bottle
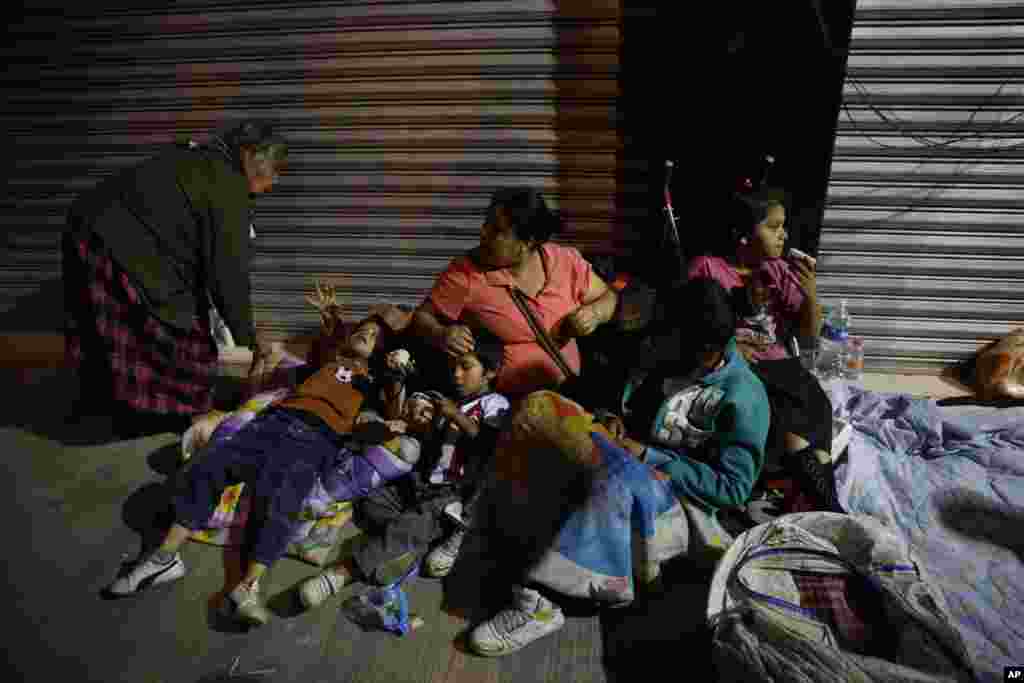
{"points": [[841, 337], [835, 331], [841, 322]]}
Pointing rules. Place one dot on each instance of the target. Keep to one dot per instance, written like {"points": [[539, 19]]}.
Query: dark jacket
{"points": [[179, 225]]}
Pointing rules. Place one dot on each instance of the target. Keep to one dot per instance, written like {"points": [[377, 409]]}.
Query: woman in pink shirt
{"points": [[776, 299], [565, 295]]}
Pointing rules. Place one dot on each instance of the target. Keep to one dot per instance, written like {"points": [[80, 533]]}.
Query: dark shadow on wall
{"points": [[31, 284], [615, 99], [657, 124], [39, 310], [783, 88]]}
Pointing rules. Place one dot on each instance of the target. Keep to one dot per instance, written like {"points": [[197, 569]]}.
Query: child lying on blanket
{"points": [[279, 454], [397, 365], [379, 451], [402, 519], [322, 518]]}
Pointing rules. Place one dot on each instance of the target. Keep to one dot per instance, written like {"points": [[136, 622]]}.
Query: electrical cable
{"points": [[901, 127]]}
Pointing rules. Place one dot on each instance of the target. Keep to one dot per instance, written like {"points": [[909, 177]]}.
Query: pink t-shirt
{"points": [[778, 316], [481, 298]]}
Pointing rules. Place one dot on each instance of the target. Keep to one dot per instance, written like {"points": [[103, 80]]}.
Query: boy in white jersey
{"points": [[405, 518]]}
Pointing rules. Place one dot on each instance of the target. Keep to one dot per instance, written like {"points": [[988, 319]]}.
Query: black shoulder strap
{"points": [[538, 331]]}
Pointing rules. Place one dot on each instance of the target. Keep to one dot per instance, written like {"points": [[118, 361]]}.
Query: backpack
{"points": [[819, 597]]}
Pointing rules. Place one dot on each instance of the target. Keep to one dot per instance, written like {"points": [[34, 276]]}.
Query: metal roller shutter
{"points": [[923, 231], [403, 118]]}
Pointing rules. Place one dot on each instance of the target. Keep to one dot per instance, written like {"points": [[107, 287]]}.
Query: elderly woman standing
{"points": [[515, 259], [144, 253]]}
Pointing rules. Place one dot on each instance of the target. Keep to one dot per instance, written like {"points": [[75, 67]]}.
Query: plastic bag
{"points": [[385, 608]]}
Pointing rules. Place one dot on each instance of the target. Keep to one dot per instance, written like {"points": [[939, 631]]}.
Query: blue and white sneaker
{"points": [[145, 574]]}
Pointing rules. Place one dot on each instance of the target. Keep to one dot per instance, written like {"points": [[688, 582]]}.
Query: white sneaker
{"points": [[512, 629], [313, 592], [441, 559], [147, 573], [248, 604]]}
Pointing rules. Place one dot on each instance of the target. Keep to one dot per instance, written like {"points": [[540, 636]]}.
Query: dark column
{"points": [[788, 64]]}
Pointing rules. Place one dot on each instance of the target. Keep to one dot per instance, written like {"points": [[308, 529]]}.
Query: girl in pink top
{"points": [[781, 296], [775, 299], [566, 296]]}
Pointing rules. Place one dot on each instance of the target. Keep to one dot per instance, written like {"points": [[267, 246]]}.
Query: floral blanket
{"points": [[590, 517], [322, 517]]}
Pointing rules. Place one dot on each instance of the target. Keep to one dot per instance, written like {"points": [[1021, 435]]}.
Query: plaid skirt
{"points": [[121, 349]]}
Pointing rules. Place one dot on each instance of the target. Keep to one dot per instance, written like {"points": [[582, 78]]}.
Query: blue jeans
{"points": [[278, 456]]}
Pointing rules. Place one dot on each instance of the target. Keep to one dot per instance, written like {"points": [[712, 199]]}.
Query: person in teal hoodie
{"points": [[700, 422], [704, 419]]}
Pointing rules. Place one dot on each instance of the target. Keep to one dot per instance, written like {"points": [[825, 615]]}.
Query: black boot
{"points": [[816, 478]]}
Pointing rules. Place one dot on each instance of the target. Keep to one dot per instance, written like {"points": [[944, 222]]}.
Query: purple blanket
{"points": [[951, 481]]}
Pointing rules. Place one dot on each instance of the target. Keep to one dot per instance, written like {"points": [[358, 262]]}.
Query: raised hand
{"points": [[325, 300]]}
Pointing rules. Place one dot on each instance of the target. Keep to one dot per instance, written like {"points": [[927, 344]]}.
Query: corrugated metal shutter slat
{"points": [[923, 231], [403, 116]]}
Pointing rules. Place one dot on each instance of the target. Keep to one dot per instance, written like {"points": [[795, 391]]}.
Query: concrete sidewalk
{"points": [[75, 502]]}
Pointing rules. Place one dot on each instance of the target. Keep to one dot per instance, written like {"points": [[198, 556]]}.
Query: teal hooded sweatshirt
{"points": [[716, 458]]}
